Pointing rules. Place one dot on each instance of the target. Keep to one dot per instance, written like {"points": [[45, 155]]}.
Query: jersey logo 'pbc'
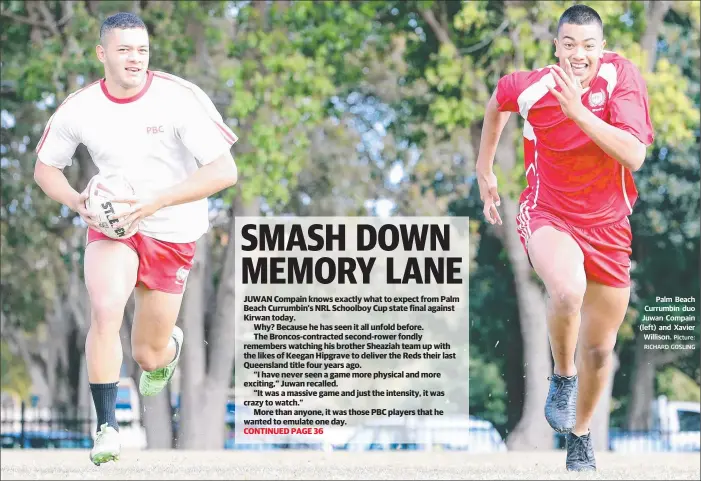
{"points": [[597, 98], [155, 129]]}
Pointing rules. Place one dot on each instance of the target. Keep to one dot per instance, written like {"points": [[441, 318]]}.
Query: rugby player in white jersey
{"points": [[164, 135]]}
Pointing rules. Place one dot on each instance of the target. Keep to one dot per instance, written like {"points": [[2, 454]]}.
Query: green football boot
{"points": [[106, 447]]}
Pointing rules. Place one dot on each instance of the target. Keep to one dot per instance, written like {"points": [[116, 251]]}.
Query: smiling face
{"points": [[125, 55], [583, 46]]}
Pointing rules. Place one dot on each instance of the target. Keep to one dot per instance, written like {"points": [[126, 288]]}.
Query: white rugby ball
{"points": [[102, 189]]}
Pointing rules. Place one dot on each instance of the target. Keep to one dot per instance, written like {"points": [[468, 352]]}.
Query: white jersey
{"points": [[154, 139]]}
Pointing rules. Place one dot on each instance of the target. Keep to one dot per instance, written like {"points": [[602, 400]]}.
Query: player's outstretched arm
{"points": [[54, 184], [492, 127], [204, 182]]}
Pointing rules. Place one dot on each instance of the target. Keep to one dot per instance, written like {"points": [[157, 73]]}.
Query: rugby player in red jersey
{"points": [[586, 129]]}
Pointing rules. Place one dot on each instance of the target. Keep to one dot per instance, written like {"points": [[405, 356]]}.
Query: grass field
{"points": [[74, 464]]}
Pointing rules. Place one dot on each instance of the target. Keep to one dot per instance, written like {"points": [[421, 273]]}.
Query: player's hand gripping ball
{"points": [[102, 189]]}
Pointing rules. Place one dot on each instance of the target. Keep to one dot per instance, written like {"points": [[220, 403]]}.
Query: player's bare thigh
{"points": [[155, 315], [559, 262], [110, 269]]}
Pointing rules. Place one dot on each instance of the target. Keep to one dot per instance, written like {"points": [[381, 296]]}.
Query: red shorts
{"points": [[163, 266], [606, 248]]}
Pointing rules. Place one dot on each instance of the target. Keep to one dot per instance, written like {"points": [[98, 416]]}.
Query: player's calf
{"points": [[103, 352], [563, 322], [564, 304], [602, 315], [156, 340], [153, 382], [103, 349], [596, 357], [595, 363]]}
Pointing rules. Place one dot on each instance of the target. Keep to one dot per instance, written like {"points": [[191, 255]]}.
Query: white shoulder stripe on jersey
{"points": [[205, 101], [47, 129], [528, 130], [608, 73], [523, 222], [533, 94], [623, 188], [529, 134]]}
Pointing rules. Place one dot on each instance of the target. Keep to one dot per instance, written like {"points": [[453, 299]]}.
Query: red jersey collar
{"points": [[133, 98]]}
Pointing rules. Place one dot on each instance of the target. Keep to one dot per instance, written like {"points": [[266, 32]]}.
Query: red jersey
{"points": [[567, 173]]}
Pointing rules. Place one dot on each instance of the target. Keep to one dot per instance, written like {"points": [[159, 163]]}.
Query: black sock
{"points": [[105, 398]]}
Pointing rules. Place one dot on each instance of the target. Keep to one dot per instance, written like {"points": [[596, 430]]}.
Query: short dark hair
{"points": [[580, 15], [121, 20]]}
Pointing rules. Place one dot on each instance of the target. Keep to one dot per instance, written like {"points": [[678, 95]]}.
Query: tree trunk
{"points": [[40, 385], [157, 416], [45, 354], [532, 432], [641, 396], [193, 358], [207, 369], [655, 13], [643, 383], [515, 382], [221, 347], [642, 393], [647, 361], [84, 395], [602, 414]]}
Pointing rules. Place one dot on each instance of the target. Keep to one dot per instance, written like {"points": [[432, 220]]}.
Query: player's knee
{"points": [[598, 356], [106, 315], [146, 361], [146, 357], [567, 299]]}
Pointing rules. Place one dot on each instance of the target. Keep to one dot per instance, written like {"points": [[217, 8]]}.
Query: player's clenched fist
{"points": [[141, 207], [83, 211], [489, 195]]}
